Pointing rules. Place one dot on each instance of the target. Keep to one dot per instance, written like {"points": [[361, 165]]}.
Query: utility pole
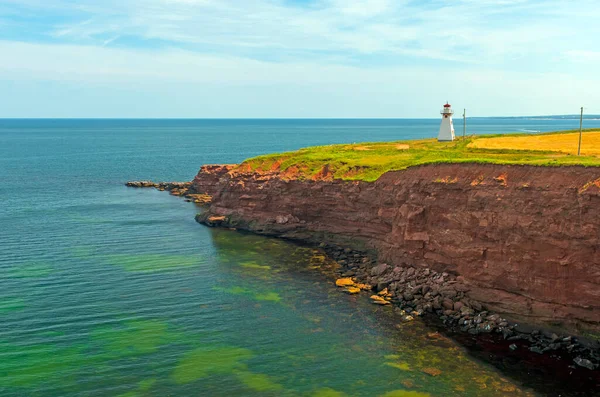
{"points": [[464, 123], [580, 132]]}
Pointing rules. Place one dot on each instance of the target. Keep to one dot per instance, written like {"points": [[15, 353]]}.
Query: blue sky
{"points": [[297, 58]]}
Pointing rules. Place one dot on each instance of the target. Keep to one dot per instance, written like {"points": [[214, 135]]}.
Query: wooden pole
{"points": [[464, 123], [580, 132]]}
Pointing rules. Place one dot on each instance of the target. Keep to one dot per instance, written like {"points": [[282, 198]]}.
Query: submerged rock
{"points": [[432, 371], [344, 282], [379, 300], [536, 349], [585, 363]]}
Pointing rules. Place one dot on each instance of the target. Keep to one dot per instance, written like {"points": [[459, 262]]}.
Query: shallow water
{"points": [[111, 291]]}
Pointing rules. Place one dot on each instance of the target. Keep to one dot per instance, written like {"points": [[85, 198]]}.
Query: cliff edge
{"points": [[524, 239]]}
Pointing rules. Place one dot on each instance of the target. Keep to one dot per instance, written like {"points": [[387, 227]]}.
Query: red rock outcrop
{"points": [[525, 239], [207, 180]]}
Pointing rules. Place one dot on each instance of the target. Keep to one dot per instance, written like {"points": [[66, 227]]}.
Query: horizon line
{"points": [[294, 118]]}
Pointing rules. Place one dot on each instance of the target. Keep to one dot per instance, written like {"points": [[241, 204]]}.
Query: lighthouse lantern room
{"points": [[447, 127]]}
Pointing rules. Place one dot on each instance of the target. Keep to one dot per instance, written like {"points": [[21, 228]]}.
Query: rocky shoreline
{"points": [[424, 292], [182, 189], [416, 292]]}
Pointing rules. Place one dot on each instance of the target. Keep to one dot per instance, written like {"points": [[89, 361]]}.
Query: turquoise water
{"points": [[110, 291]]}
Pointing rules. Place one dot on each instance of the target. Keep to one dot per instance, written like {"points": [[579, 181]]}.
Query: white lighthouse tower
{"points": [[447, 127]]}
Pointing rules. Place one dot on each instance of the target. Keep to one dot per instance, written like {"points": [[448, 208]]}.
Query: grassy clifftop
{"points": [[368, 161]]}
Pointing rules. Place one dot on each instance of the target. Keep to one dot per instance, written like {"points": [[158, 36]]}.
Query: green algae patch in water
{"points": [[256, 252], [8, 305], [327, 392], [62, 366], [32, 366], [258, 382], [30, 270], [130, 394], [427, 356], [143, 387], [132, 338], [254, 266], [146, 385], [268, 296], [203, 362], [401, 366], [149, 263], [405, 393]]}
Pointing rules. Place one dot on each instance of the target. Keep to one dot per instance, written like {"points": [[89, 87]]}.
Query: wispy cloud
{"points": [[392, 49], [466, 31]]}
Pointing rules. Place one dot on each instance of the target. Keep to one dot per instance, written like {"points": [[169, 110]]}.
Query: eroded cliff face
{"points": [[208, 178], [525, 239]]}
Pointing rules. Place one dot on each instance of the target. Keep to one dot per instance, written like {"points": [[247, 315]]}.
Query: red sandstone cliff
{"points": [[207, 180], [526, 239]]}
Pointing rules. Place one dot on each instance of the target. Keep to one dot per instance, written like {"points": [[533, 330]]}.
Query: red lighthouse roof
{"points": [[447, 105]]}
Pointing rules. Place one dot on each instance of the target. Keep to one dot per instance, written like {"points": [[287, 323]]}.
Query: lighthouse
{"points": [[447, 127]]}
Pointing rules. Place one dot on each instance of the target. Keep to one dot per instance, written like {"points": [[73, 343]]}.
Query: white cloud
{"points": [[214, 86], [467, 31], [583, 56], [352, 58], [362, 8]]}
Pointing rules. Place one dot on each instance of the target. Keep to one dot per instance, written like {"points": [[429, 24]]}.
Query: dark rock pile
{"points": [[159, 185], [184, 189], [423, 291]]}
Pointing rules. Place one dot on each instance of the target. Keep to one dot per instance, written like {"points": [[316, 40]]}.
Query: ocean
{"points": [[112, 291]]}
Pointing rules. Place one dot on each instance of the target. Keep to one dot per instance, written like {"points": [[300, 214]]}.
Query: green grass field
{"points": [[368, 161]]}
